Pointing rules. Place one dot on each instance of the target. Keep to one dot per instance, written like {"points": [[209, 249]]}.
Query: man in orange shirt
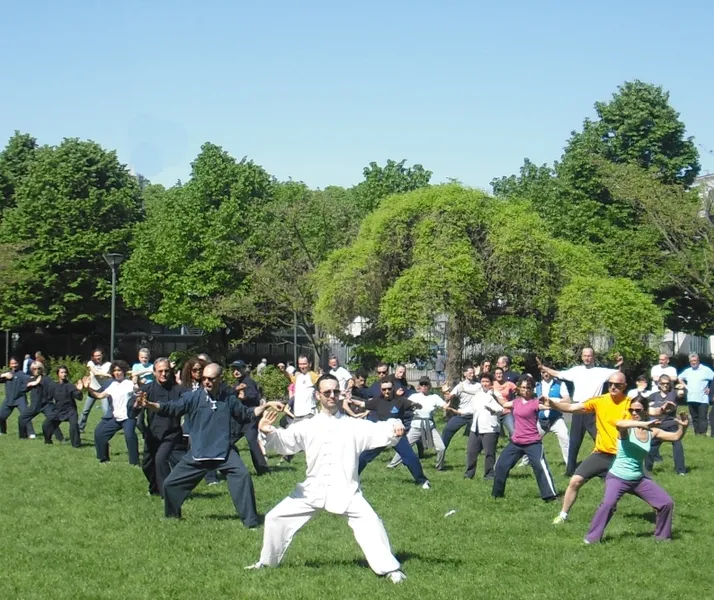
{"points": [[609, 409]]}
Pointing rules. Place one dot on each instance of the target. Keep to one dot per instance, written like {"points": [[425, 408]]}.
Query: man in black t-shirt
{"points": [[665, 394], [386, 406]]}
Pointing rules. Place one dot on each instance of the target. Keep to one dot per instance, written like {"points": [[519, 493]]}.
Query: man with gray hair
{"points": [[210, 410], [698, 379]]}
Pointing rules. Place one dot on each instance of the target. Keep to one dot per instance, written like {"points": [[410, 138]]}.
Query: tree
{"points": [[183, 261], [15, 161], [75, 202], [489, 266], [393, 178]]}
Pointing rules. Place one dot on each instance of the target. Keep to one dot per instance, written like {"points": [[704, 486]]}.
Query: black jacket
{"points": [[161, 427]]}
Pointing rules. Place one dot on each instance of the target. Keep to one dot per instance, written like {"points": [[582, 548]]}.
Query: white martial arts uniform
{"points": [[332, 446], [423, 418]]}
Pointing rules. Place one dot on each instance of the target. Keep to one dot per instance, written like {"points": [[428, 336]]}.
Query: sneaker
{"points": [[258, 565], [396, 576], [218, 482], [558, 520], [425, 486], [681, 473], [32, 437], [586, 542]]}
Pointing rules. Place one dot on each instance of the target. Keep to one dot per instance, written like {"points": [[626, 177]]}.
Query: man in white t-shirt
{"points": [[662, 368], [423, 427], [99, 380], [304, 397], [463, 415], [588, 381], [342, 374]]}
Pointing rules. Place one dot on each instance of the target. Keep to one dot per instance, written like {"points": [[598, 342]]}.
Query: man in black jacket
{"points": [[248, 393], [162, 434], [210, 410], [65, 395], [15, 381]]}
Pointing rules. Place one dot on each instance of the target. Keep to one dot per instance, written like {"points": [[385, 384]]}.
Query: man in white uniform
{"points": [[332, 443], [423, 427], [342, 374], [588, 381]]}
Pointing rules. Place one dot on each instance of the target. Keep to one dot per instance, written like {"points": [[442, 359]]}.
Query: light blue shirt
{"points": [[697, 381], [141, 369]]}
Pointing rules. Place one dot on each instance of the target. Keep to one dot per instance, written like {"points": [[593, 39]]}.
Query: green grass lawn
{"points": [[75, 529]]}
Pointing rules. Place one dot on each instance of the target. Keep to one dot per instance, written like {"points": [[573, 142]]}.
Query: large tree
{"points": [[183, 262], [489, 266], [75, 202], [393, 178], [15, 161]]}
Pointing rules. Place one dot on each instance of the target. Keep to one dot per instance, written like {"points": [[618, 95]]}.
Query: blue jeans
{"points": [[409, 458], [105, 431], [88, 403]]}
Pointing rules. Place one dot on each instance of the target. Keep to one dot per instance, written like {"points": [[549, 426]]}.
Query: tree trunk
{"points": [[454, 349]]}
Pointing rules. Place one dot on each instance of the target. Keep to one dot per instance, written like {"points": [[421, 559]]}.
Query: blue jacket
{"points": [[553, 393], [209, 421], [15, 388]]}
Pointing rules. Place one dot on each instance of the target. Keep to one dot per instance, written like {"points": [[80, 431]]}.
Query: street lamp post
{"points": [[113, 260]]}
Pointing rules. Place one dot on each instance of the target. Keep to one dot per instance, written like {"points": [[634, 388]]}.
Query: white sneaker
{"points": [[258, 565], [396, 576], [558, 520], [425, 486], [32, 437]]}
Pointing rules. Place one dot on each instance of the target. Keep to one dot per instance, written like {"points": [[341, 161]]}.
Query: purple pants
{"points": [[648, 490]]}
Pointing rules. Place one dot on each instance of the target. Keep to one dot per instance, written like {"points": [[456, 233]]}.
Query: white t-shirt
{"points": [[429, 404], [304, 403], [120, 392], [343, 376], [486, 421], [102, 383], [657, 371], [465, 391], [587, 382], [634, 392]]}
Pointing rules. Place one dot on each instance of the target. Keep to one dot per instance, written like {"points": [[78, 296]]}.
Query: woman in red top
{"points": [[507, 389], [524, 441]]}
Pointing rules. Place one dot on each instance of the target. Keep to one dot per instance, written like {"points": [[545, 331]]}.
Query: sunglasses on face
{"points": [[206, 378], [636, 410], [332, 393], [196, 370], [619, 386], [381, 372]]}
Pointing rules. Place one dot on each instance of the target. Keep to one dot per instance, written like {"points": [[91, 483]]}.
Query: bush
{"points": [[274, 383], [75, 365]]}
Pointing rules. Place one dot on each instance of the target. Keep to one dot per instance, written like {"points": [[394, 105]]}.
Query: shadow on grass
{"points": [[402, 557], [231, 517], [204, 494]]}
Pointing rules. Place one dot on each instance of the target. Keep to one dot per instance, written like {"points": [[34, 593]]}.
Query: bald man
{"points": [[608, 410]]}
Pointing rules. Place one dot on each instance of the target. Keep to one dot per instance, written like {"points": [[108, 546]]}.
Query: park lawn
{"points": [[75, 529]]}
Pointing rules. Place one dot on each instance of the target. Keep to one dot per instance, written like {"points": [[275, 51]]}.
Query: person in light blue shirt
{"points": [[142, 372], [697, 378]]}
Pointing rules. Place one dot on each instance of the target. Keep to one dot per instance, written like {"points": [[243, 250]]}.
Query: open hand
{"points": [[398, 429], [276, 405], [266, 421], [683, 419]]}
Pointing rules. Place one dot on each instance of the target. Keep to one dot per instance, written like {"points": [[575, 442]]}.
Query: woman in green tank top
{"points": [[626, 476]]}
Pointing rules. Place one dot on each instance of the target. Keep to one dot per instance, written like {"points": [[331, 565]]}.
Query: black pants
{"points": [[187, 474], [698, 411], [23, 429], [157, 462], [580, 425], [477, 442], [453, 425], [32, 412], [105, 431], [677, 449], [250, 432], [51, 426], [510, 455], [711, 421]]}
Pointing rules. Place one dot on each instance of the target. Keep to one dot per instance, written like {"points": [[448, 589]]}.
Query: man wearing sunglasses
{"points": [[249, 393], [333, 444], [162, 433], [665, 396], [608, 409], [587, 382], [210, 411], [389, 405]]}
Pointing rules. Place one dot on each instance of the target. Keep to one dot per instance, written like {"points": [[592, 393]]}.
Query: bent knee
{"points": [[576, 482]]}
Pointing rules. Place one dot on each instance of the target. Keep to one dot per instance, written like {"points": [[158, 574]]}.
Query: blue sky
{"points": [[316, 90]]}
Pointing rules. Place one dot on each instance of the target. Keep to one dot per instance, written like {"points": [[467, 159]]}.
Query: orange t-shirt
{"points": [[607, 413]]}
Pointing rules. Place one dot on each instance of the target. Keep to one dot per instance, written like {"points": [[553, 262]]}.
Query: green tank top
{"points": [[631, 454]]}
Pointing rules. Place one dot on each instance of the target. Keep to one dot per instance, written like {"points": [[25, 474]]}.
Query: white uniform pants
{"points": [[284, 521], [560, 429], [413, 436]]}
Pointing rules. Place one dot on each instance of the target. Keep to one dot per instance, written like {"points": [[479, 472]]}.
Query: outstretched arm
{"points": [[564, 407], [673, 436], [283, 441]]}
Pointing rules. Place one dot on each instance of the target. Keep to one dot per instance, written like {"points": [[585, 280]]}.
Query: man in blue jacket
{"points": [[15, 381], [209, 411]]}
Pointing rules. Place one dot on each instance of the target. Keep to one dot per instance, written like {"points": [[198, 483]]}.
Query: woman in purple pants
{"points": [[626, 475]]}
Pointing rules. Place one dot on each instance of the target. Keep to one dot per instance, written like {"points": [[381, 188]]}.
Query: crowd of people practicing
{"points": [[191, 418]]}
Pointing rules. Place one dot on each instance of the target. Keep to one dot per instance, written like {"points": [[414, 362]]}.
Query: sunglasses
{"points": [[206, 378], [387, 389], [636, 410], [424, 385], [381, 372], [332, 393], [196, 370], [619, 386]]}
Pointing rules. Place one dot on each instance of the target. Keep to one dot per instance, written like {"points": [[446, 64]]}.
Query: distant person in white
{"points": [[261, 366], [99, 380], [642, 388], [342, 374], [423, 427], [588, 381], [662, 368], [332, 443]]}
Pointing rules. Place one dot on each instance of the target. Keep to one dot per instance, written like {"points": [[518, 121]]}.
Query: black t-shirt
{"points": [[656, 400], [389, 408]]}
